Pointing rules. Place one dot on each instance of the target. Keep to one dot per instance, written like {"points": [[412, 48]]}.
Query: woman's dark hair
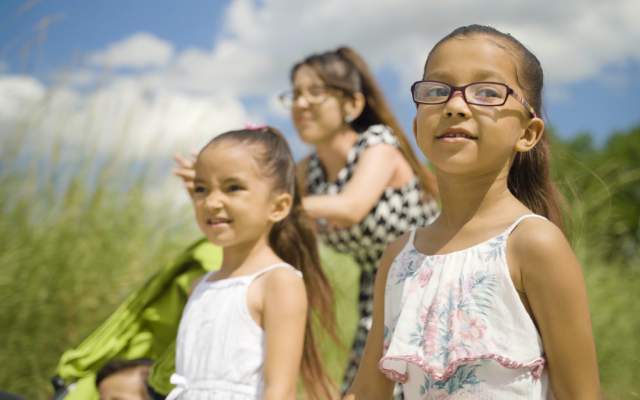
{"points": [[293, 239], [344, 69], [529, 176]]}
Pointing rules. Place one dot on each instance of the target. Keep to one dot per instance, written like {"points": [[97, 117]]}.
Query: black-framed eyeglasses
{"points": [[313, 95], [476, 93]]}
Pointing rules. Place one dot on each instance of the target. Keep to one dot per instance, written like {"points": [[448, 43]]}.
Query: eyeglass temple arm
{"points": [[526, 104]]}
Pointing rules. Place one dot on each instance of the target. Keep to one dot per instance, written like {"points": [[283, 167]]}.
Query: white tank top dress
{"points": [[456, 328], [220, 347]]}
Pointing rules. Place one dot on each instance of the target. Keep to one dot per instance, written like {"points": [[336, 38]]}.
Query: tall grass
{"points": [[75, 241]]}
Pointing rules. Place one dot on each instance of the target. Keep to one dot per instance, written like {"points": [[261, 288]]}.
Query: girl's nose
{"points": [[456, 105], [213, 201]]}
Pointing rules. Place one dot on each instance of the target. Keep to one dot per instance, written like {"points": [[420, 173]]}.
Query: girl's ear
{"points": [[415, 129], [353, 107], [281, 206], [530, 136]]}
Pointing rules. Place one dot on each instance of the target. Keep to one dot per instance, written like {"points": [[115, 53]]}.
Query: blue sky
{"points": [[176, 69]]}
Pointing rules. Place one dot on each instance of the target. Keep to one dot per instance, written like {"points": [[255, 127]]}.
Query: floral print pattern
{"points": [[464, 376], [448, 315]]}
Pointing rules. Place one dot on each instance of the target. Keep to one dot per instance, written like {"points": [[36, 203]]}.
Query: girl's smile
{"points": [[218, 222], [455, 135]]}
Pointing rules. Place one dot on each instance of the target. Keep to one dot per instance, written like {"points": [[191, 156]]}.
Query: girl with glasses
{"points": [[489, 300]]}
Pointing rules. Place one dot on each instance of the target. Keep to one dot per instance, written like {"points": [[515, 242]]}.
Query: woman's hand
{"points": [[185, 171]]}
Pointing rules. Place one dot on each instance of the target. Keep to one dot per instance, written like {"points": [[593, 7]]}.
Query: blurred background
{"points": [[95, 97]]}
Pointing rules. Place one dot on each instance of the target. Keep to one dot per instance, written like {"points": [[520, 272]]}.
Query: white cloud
{"points": [[197, 92], [137, 51], [123, 117], [260, 41], [18, 93], [574, 39]]}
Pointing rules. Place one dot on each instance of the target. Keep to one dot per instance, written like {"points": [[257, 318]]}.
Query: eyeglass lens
{"points": [[480, 93]]}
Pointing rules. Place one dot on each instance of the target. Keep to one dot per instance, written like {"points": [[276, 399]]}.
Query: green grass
{"points": [[74, 245]]}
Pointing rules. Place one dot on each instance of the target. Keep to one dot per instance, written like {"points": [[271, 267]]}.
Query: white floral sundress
{"points": [[455, 327]]}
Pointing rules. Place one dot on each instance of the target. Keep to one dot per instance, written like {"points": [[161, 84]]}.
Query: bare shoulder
{"points": [[283, 277], [541, 248], [284, 286]]}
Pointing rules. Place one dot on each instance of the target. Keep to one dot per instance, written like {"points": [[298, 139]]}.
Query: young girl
{"points": [[360, 203], [489, 301], [246, 328]]}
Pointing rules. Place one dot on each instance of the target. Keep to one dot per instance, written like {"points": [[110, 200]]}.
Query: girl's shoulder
{"points": [[533, 235], [540, 248], [284, 291], [278, 273]]}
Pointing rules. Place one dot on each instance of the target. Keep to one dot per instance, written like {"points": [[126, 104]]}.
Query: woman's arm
{"points": [[371, 176], [554, 287], [284, 320], [370, 383]]}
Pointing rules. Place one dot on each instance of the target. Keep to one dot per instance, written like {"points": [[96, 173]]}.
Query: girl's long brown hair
{"points": [[346, 70], [293, 239], [529, 176]]}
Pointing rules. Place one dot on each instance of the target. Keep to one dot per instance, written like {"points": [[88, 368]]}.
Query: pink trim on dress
{"points": [[536, 366]]}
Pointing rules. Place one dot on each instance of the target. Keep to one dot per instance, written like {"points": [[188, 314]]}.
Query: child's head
{"points": [[493, 125], [246, 186], [123, 379]]}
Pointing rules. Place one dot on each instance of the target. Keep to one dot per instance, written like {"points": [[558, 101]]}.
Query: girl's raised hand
{"points": [[185, 170]]}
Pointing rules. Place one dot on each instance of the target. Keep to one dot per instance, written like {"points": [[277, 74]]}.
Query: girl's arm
{"points": [[284, 319], [554, 287], [370, 383], [371, 176]]}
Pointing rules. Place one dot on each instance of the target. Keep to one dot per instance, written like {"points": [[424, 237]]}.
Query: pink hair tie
{"points": [[253, 127]]}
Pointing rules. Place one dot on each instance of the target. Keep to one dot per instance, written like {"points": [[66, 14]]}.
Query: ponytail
{"points": [[293, 239], [530, 181]]}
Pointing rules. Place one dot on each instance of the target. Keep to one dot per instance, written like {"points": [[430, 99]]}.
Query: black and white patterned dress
{"points": [[397, 211]]}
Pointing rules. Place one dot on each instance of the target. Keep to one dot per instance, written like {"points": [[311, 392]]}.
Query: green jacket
{"points": [[145, 325]]}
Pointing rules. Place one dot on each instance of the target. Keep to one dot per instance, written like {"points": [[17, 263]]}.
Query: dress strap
{"points": [[202, 283], [412, 238], [272, 267], [521, 218]]}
